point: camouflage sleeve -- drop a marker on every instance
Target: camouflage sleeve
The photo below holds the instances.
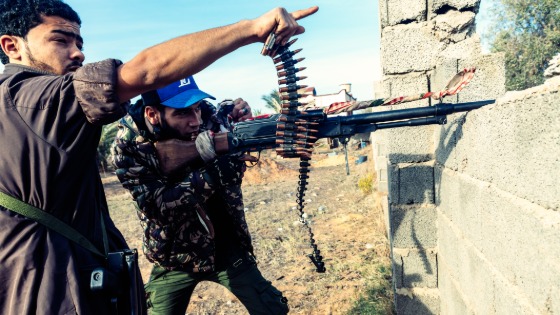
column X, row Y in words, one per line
column 137, row 168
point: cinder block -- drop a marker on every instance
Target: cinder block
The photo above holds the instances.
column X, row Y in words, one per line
column 383, row 14
column 382, row 180
column 460, row 263
column 489, row 80
column 447, row 138
column 415, row 268
column 417, row 303
column 516, row 231
column 445, row 70
column 396, row 12
column 409, row 48
column 469, row 48
column 436, row 7
column 511, row 232
column 513, row 145
column 405, row 85
column 451, row 300
column 508, row 301
column 411, row 183
column 460, row 202
column 378, row 89
column 453, row 26
column 414, row 226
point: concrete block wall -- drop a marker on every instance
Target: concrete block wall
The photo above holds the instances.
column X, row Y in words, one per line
column 425, row 43
column 473, row 207
column 498, row 203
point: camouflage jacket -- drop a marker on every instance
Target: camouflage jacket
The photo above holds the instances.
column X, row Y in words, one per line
column 178, row 233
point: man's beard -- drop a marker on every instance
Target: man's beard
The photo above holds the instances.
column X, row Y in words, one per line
column 34, row 63
column 38, row 64
column 167, row 132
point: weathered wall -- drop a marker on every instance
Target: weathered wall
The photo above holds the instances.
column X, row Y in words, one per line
column 498, row 206
column 473, row 206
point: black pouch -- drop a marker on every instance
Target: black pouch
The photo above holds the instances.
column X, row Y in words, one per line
column 117, row 281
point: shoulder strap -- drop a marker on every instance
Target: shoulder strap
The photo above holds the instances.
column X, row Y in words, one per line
column 47, row 220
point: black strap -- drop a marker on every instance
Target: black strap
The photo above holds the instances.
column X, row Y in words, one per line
column 49, row 221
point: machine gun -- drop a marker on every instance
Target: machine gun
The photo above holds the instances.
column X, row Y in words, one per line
column 267, row 132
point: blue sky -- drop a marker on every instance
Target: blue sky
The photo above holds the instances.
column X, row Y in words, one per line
column 341, row 43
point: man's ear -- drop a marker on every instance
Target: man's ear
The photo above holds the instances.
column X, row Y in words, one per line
column 152, row 114
column 11, row 47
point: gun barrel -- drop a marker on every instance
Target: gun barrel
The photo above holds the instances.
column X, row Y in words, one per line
column 437, row 110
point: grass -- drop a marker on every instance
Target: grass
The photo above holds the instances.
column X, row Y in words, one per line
column 377, row 298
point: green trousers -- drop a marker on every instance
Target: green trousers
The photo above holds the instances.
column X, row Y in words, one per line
column 169, row 292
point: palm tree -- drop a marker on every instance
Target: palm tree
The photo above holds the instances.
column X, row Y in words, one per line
column 104, row 148
column 273, row 101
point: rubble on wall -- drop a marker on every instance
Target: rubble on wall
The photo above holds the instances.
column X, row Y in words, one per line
column 553, row 67
column 454, row 26
column 437, row 7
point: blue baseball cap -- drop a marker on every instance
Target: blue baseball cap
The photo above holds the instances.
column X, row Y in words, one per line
column 179, row 94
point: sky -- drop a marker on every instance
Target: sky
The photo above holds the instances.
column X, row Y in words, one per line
column 341, row 42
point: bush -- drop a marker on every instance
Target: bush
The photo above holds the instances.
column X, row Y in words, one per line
column 366, row 184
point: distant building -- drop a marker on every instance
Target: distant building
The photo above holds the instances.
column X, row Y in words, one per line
column 321, row 101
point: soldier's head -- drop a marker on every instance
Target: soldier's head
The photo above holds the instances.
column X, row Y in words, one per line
column 43, row 34
column 174, row 111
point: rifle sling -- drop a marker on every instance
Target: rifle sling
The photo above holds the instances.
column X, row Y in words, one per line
column 50, row 221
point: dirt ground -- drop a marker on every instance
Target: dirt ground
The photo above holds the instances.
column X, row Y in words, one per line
column 347, row 224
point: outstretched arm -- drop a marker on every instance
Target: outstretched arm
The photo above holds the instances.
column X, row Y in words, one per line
column 186, row 55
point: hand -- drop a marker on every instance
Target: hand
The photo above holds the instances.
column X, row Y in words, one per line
column 282, row 23
column 241, row 110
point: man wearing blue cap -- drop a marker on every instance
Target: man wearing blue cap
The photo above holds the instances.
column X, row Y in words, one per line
column 193, row 215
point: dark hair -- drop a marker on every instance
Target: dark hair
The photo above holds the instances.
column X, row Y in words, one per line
column 17, row 17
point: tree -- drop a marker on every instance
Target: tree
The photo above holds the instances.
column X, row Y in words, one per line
column 528, row 32
column 104, row 148
column 273, row 101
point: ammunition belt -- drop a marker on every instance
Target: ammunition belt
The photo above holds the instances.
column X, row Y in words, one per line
column 294, row 136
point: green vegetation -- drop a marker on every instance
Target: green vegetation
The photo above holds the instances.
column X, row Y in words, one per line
column 366, row 183
column 528, row 32
column 377, row 298
column 273, row 101
column 104, row 148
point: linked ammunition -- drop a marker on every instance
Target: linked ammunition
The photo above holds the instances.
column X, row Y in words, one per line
column 294, row 135
column 297, row 151
column 285, row 56
column 290, row 141
column 291, row 127
column 291, row 112
column 269, row 43
column 291, row 80
column 288, row 63
column 292, row 96
column 277, row 49
column 290, row 71
column 291, row 88
column 293, row 103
